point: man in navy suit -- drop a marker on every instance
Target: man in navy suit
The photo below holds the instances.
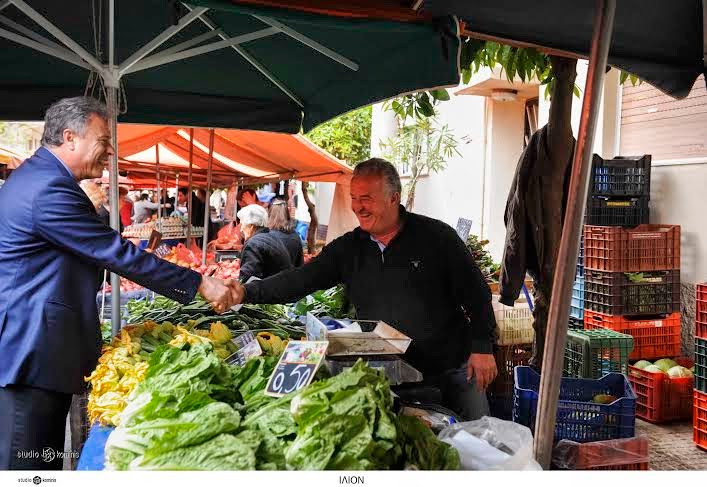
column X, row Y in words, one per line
column 52, row 244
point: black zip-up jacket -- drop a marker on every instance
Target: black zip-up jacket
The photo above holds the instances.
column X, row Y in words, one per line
column 263, row 255
column 426, row 284
column 293, row 244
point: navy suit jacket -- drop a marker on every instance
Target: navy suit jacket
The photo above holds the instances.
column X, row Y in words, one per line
column 52, row 245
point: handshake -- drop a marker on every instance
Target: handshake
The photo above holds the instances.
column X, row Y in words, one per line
column 222, row 294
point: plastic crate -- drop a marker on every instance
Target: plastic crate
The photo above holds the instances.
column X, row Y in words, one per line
column 621, row 176
column 575, row 324
column 660, row 398
column 701, row 364
column 577, row 303
column 701, row 311
column 578, row 418
column 625, row 212
column 653, row 337
column 621, row 454
column 614, row 293
column 644, row 248
column 515, row 323
column 699, row 419
column 591, row 354
column 580, row 258
column 500, row 391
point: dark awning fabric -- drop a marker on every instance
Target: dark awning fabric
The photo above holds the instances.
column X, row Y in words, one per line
column 221, row 88
column 659, row 41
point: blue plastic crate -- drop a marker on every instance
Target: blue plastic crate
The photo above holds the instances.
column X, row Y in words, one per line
column 577, row 303
column 578, row 418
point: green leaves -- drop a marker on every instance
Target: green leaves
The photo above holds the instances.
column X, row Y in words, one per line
column 347, row 137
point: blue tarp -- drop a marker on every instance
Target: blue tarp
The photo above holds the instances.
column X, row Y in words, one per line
column 92, row 454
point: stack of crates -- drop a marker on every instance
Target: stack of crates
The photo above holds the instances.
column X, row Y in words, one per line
column 699, row 415
column 515, row 347
column 632, row 285
column 619, row 194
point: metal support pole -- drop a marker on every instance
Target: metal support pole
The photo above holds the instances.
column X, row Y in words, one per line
column 189, row 194
column 113, row 194
column 207, row 204
column 159, row 188
column 569, row 244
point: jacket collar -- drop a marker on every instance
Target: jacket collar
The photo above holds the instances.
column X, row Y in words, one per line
column 47, row 155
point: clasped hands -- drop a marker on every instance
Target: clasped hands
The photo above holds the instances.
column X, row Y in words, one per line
column 221, row 294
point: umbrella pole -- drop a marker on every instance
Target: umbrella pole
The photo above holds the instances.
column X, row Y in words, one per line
column 569, row 244
column 112, row 102
column 189, row 194
column 159, row 188
column 207, row 204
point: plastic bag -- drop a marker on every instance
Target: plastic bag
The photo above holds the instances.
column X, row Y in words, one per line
column 570, row 455
column 492, row 444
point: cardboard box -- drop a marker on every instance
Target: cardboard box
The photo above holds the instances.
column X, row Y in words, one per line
column 358, row 337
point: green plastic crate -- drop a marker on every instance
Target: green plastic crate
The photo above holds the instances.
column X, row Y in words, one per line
column 591, row 354
column 701, row 364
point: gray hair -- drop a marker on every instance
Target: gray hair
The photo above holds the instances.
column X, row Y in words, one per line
column 381, row 168
column 72, row 114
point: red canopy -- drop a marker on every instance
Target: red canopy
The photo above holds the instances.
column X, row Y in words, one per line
column 246, row 156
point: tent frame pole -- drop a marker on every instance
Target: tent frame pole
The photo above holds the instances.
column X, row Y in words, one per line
column 190, row 190
column 569, row 244
column 112, row 103
column 207, row 200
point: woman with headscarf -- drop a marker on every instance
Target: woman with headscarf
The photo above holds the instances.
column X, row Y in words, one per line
column 263, row 253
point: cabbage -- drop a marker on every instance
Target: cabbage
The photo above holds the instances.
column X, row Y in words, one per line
column 653, row 369
column 665, row 364
column 642, row 364
column 679, row 371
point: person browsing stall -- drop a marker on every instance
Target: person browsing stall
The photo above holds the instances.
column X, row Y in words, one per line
column 50, row 256
column 263, row 253
column 414, row 273
column 282, row 227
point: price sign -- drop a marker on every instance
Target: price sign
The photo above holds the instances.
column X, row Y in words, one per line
column 296, row 367
column 463, row 228
column 247, row 348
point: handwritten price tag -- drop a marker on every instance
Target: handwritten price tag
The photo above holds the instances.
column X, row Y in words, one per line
column 296, row 367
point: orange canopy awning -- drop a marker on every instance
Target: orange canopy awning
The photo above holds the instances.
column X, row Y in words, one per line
column 245, row 156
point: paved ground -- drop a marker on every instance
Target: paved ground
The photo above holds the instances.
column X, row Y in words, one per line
column 671, row 446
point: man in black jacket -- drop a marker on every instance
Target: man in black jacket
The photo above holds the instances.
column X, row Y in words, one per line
column 414, row 273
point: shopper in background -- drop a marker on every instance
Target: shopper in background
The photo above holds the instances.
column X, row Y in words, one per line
column 248, row 197
column 143, row 208
column 283, row 227
column 126, row 207
column 263, row 253
column 50, row 256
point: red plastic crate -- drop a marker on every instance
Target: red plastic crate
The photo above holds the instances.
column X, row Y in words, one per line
column 644, row 248
column 653, row 338
column 699, row 419
column 620, row 454
column 701, row 312
column 659, row 398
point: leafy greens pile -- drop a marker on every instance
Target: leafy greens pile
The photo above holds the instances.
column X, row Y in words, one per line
column 194, row 412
